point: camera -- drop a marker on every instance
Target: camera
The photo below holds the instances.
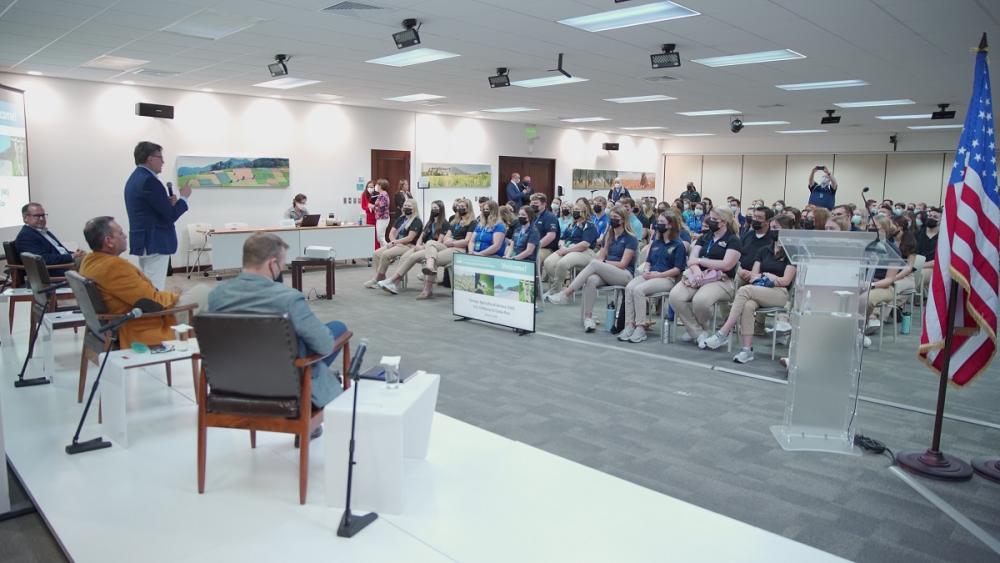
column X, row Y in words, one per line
column 736, row 125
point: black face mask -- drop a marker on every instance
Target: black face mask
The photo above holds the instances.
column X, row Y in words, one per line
column 565, row 212
column 522, row 220
column 932, row 223
column 460, row 212
column 661, row 228
column 577, row 214
column 435, row 212
column 407, row 211
column 713, row 225
column 615, row 223
column 635, row 210
column 756, row 225
column 454, row 210
column 598, row 209
column 808, row 224
column 485, row 212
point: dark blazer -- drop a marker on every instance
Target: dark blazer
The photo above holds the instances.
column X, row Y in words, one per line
column 514, row 197
column 151, row 216
column 30, row 240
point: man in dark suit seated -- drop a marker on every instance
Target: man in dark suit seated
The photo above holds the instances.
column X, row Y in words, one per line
column 255, row 291
column 36, row 238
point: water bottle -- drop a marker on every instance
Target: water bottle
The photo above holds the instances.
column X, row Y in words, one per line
column 906, row 322
column 361, row 219
column 609, row 319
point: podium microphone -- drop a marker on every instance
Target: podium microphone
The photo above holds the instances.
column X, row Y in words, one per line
column 349, row 523
column 117, row 323
column 170, row 189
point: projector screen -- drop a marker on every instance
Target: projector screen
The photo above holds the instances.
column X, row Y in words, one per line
column 13, row 157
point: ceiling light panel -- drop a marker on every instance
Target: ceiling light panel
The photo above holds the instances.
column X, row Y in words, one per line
column 640, row 99
column 413, row 57
column 328, row 97
column 110, row 62
column 800, row 131
column 414, row 98
column 922, row 127
column 913, row 116
column 585, row 119
column 209, row 24
column 510, row 110
column 646, row 128
column 554, row 80
column 752, row 123
column 286, row 83
column 750, row 58
column 693, row 134
column 710, row 112
column 628, row 17
column 822, row 85
column 874, row 103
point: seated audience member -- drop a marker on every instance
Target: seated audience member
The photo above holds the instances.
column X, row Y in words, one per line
column 734, row 206
column 298, row 209
column 778, row 206
column 565, row 217
column 927, row 239
column 614, row 265
column 771, row 276
column 525, row 239
column 795, row 215
column 457, row 239
column 36, row 238
column 815, row 219
column 434, row 231
column 402, row 237
column 509, row 219
column 883, row 278
column 847, row 213
column 600, row 217
column 255, row 291
column 838, row 224
column 709, row 206
column 757, row 237
column 123, row 285
column 634, row 212
column 579, row 240
column 665, row 260
column 709, row 278
column 647, row 216
column 555, row 205
column 490, row 238
column 696, row 218
column 547, row 226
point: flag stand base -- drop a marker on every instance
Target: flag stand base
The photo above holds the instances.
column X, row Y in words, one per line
column 936, row 465
column 986, row 467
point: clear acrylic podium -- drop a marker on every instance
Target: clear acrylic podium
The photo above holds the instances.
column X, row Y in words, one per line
column 829, row 314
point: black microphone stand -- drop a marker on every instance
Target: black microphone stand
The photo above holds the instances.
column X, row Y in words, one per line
column 97, row 443
column 351, row 524
column 32, row 381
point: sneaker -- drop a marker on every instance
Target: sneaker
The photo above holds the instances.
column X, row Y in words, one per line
column 867, row 342
column 589, row 325
column 874, row 323
column 686, row 337
column 388, row 286
column 627, row 333
column 716, row 340
column 420, row 276
column 638, row 335
column 744, row 355
column 702, row 338
column 371, row 284
column 558, row 298
column 427, row 271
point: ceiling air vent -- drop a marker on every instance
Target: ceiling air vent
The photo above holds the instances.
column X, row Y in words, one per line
column 348, row 6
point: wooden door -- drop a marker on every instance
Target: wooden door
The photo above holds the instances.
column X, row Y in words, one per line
column 541, row 170
column 393, row 166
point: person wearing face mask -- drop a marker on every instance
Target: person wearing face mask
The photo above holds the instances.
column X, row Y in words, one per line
column 770, row 277
column 298, row 209
column 576, row 248
column 614, row 265
column 617, row 191
column 696, row 218
column 778, row 206
column 513, row 191
column 555, row 206
column 846, row 212
column 815, row 219
column 381, row 210
column 897, row 210
column 822, row 188
column 490, row 237
column 757, row 237
column 434, row 232
column 402, row 236
column 254, row 291
column 927, row 242
column 565, row 217
column 708, row 280
column 734, row 206
column 647, row 216
column 457, row 239
column 367, row 201
column 883, row 278
column 632, row 212
column 661, row 269
column 547, row 226
column 600, row 217
column 525, row 242
column 690, row 193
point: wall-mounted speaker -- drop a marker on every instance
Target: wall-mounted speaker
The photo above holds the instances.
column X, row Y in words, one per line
column 154, row 110
column 610, row 146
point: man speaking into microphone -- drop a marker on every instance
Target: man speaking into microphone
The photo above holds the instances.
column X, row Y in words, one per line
column 152, row 211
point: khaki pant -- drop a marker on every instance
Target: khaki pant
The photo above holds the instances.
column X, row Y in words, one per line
column 543, row 253
column 440, row 255
column 594, row 275
column 751, row 297
column 878, row 296
column 558, row 267
column 385, row 255
column 635, row 297
column 694, row 305
column 409, row 260
column 905, row 284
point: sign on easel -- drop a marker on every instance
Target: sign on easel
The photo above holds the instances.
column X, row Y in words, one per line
column 495, row 291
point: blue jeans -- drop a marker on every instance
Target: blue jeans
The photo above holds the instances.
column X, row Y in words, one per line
column 325, row 387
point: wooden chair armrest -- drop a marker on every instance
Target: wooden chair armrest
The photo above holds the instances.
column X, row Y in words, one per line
column 343, row 340
column 309, row 360
column 172, row 311
column 70, row 266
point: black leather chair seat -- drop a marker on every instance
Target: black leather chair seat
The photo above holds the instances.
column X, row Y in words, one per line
column 231, row 403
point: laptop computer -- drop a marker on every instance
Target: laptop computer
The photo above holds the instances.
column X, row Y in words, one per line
column 310, row 220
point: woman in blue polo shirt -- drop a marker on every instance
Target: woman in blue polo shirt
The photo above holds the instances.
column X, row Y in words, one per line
column 613, row 266
column 664, row 264
column 576, row 249
column 490, row 238
column 526, row 236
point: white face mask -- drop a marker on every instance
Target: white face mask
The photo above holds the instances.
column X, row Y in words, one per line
column 735, row 210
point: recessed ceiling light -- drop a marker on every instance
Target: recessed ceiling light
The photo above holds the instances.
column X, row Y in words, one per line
column 693, row 134
column 276, row 96
column 918, row 127
column 413, row 57
column 286, row 83
column 109, row 62
column 822, row 85
column 875, row 103
column 414, row 98
column 750, row 58
column 800, row 131
column 510, row 110
column 327, row 97
column 639, row 99
column 34, row 73
column 547, row 81
column 627, row 17
column 584, row 119
column 210, row 24
column 746, row 123
column 649, row 128
column 913, row 116
column 128, row 82
column 207, row 90
column 709, row 112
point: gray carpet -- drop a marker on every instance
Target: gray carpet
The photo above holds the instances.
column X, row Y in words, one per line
column 691, row 432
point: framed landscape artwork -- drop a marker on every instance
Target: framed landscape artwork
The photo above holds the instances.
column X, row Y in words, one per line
column 232, row 172
column 585, row 179
column 443, row 175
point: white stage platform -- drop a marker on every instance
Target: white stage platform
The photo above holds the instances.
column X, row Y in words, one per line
column 478, row 497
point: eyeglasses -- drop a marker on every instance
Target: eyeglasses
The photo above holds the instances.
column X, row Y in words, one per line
column 38, row 215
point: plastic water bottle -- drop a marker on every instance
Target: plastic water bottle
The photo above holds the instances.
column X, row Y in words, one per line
column 609, row 319
column 361, row 219
column 906, row 322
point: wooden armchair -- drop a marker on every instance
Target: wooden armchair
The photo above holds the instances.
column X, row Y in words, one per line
column 17, row 276
column 43, row 294
column 253, row 378
column 95, row 313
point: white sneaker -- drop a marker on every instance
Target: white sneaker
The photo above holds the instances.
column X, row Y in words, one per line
column 867, row 342
column 702, row 338
column 638, row 335
column 626, row 334
column 716, row 340
column 686, row 337
column 589, row 325
column 744, row 355
column 558, row 298
column 874, row 323
column 388, row 286
column 371, row 284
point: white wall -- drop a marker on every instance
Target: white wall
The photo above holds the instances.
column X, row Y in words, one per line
column 81, row 135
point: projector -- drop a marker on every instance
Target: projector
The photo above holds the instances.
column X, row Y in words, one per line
column 323, row 252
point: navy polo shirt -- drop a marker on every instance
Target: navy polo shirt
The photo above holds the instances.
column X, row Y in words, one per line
column 575, row 233
column 523, row 236
column 548, row 223
column 822, row 196
column 618, row 246
column 666, row 255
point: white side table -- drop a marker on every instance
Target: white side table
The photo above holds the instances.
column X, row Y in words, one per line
column 42, row 363
column 7, row 301
column 392, row 424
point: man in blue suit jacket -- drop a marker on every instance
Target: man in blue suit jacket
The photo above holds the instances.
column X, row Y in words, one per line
column 36, row 238
column 152, row 213
column 515, row 192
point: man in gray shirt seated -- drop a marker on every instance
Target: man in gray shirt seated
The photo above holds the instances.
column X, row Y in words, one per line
column 255, row 291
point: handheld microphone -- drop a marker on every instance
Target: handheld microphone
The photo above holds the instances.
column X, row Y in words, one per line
column 117, row 323
column 359, row 356
column 170, row 189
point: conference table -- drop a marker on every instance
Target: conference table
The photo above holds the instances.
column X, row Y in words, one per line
column 349, row 242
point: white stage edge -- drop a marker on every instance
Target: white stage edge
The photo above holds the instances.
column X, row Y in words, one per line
column 476, row 497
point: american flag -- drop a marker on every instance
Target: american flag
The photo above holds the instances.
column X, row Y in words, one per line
column 967, row 248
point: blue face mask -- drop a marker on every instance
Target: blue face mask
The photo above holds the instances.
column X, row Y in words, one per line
column 856, row 219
